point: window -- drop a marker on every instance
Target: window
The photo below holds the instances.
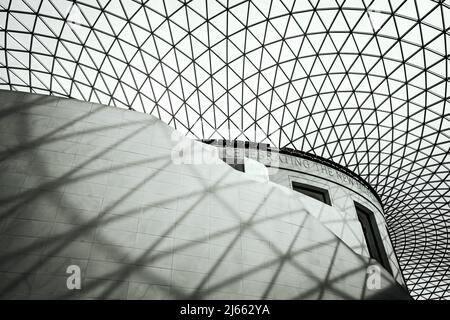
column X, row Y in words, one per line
column 372, row 236
column 238, row 166
column 313, row 192
column 232, row 153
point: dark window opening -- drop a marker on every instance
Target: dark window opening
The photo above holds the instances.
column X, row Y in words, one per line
column 372, row 236
column 238, row 166
column 235, row 162
column 232, row 153
column 313, row 192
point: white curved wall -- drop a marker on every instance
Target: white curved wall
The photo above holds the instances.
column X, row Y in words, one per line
column 93, row 186
column 342, row 218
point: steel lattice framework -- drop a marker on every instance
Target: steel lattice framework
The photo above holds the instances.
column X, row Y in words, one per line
column 362, row 83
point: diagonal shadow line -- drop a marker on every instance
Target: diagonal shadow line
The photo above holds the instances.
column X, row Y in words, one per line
column 226, row 231
column 66, row 235
column 267, row 264
column 219, row 233
column 31, row 194
column 363, row 294
column 263, row 237
column 19, row 104
column 187, row 212
column 260, row 236
column 366, row 288
column 51, row 185
column 307, row 271
column 242, row 229
column 196, row 293
column 44, row 139
column 231, row 210
column 212, row 235
column 283, row 259
column 124, row 272
column 362, row 259
column 345, row 223
column 331, row 282
column 93, row 221
column 67, row 238
column 108, row 220
column 203, row 239
column 276, row 261
column 143, row 256
column 198, row 201
column 261, row 266
column 365, row 263
column 277, row 251
column 330, row 267
column 364, row 266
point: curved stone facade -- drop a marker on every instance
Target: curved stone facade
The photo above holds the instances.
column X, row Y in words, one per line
column 101, row 190
column 287, row 167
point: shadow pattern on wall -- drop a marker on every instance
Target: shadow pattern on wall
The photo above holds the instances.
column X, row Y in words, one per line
column 87, row 185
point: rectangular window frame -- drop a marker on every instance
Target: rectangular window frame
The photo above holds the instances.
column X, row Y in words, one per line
column 376, row 248
column 313, row 189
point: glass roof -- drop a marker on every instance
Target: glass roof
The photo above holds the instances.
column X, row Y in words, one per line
column 362, row 83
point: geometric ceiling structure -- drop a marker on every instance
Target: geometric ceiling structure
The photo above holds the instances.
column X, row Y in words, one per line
column 362, row 83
